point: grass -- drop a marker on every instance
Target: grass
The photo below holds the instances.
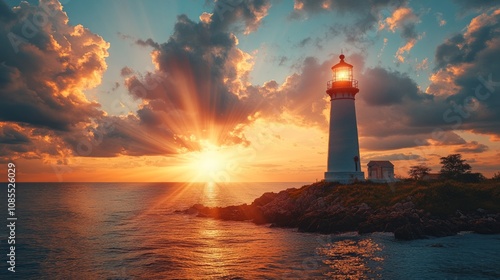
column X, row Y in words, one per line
column 441, row 198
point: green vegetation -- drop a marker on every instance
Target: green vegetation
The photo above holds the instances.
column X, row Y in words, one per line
column 454, row 167
column 417, row 172
column 440, row 198
column 459, row 189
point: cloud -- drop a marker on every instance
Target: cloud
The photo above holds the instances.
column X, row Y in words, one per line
column 395, row 157
column 472, row 147
column 126, row 71
column 391, row 142
column 47, row 64
column 199, row 88
column 21, row 141
column 393, row 113
column 365, row 14
column 230, row 15
column 400, row 53
column 441, row 21
column 147, row 43
column 209, row 93
column 392, row 110
column 116, row 136
column 388, row 88
column 304, row 42
column 10, row 135
column 467, row 64
column 468, row 6
column 423, row 65
column 404, row 19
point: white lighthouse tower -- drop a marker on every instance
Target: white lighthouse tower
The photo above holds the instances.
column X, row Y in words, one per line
column 343, row 147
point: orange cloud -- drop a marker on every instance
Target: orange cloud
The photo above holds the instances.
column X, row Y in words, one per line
column 398, row 19
column 49, row 64
column 405, row 49
column 405, row 20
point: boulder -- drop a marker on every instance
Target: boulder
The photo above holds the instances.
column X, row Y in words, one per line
column 409, row 232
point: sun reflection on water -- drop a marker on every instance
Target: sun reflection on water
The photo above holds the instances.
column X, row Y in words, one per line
column 353, row 259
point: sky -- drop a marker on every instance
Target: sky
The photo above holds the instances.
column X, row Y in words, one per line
column 234, row 90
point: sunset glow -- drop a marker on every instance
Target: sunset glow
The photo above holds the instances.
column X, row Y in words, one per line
column 188, row 94
column 207, row 165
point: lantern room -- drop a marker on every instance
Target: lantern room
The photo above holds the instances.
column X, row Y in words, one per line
column 342, row 79
column 342, row 71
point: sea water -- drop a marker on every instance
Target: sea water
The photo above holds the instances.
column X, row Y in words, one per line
column 131, row 231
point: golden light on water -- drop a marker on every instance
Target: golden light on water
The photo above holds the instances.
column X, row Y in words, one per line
column 353, row 259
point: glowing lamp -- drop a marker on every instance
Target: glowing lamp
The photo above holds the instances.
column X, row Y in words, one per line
column 342, row 71
column 342, row 74
column 342, row 79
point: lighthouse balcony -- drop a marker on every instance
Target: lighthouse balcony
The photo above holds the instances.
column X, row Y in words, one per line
column 335, row 84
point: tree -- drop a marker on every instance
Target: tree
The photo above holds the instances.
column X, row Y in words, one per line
column 417, row 172
column 496, row 176
column 454, row 167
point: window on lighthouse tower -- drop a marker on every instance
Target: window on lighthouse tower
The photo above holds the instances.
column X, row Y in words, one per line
column 342, row 74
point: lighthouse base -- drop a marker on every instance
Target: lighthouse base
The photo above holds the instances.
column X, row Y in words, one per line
column 344, row 177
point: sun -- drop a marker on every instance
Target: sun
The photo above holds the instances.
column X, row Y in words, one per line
column 208, row 162
column 208, row 165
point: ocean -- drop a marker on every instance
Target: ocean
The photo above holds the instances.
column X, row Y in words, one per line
column 130, row 231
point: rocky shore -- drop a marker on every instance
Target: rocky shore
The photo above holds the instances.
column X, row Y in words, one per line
column 409, row 210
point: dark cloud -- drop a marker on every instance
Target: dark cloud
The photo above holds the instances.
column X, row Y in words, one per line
column 367, row 9
column 388, row 88
column 472, row 147
column 10, row 135
column 43, row 74
column 201, row 90
column 304, row 42
column 448, row 138
column 392, row 141
column 147, row 43
column 201, row 78
column 467, row 66
column 366, row 14
column 116, row 136
column 449, row 52
column 6, row 14
column 395, row 157
column 126, row 71
column 229, row 15
column 21, row 141
column 281, row 60
column 462, row 95
column 409, row 31
column 205, row 67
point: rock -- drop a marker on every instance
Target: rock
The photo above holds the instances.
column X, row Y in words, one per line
column 486, row 226
column 481, row 210
column 409, row 232
column 438, row 228
column 264, row 199
column 408, row 205
column 319, row 208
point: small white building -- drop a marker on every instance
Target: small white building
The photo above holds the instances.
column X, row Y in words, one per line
column 381, row 171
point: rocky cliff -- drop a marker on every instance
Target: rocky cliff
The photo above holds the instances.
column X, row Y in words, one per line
column 410, row 210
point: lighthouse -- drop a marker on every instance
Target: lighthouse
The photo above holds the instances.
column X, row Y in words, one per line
column 343, row 147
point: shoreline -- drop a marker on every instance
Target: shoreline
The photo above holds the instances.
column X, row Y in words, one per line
column 410, row 210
